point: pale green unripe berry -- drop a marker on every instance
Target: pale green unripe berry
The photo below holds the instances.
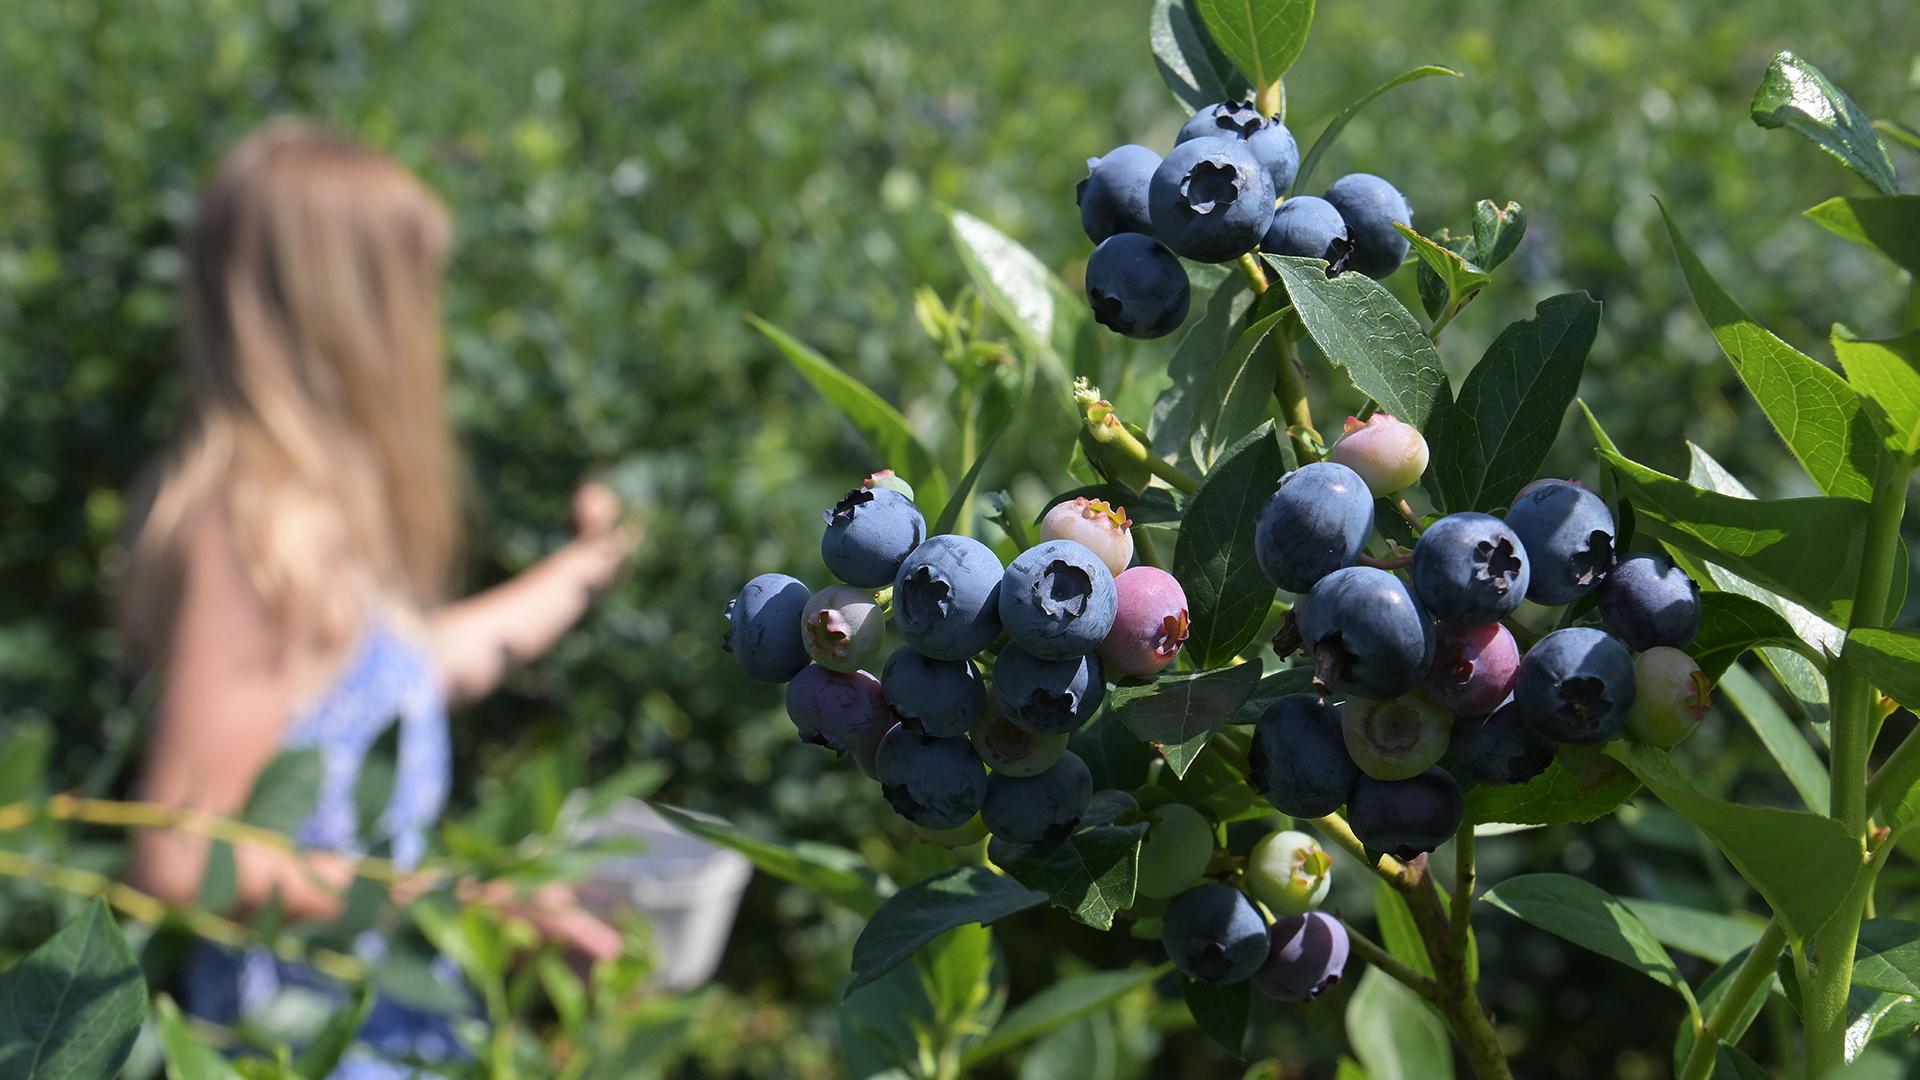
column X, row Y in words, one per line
column 1289, row 872
column 1670, row 697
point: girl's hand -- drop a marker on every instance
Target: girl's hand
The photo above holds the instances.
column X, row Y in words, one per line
column 602, row 541
column 555, row 914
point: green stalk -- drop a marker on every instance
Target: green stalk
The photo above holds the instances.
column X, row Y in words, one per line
column 1289, row 383
column 1749, row 979
column 1831, row 965
column 1463, row 885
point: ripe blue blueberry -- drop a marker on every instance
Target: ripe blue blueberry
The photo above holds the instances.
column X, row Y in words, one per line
column 1057, row 600
column 1137, row 287
column 1317, row 521
column 946, row 597
column 1113, row 197
column 945, row 697
column 1311, row 228
column 1214, row 934
column 1567, row 534
column 1405, row 818
column 1308, row 954
column 1648, row 601
column 1499, row 748
column 1276, row 149
column 1299, row 759
column 1370, row 206
column 1470, row 569
column 843, row 711
column 1047, row 697
column 933, row 782
column 1272, row 144
column 869, row 532
column 1211, row 200
column 1576, row 686
column 1367, row 633
column 1041, row 809
column 763, row 628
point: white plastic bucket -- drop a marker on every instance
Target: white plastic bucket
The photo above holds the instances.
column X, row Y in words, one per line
column 684, row 887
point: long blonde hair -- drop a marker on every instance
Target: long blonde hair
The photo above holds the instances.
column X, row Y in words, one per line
column 315, row 421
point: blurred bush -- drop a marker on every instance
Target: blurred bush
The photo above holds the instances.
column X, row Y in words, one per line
column 630, row 179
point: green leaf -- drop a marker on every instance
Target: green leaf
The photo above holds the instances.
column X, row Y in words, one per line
column 1394, row 1034
column 1023, row 292
column 1593, row 919
column 1191, row 65
column 1261, row 37
column 1711, row 992
column 72, row 1006
column 1496, row 231
column 1891, row 661
column 1889, row 224
column 1777, row 732
column 1179, row 713
column 1494, row 439
column 1093, row 873
column 1731, row 624
column 1236, row 397
column 1228, row 596
column 1228, row 310
column 883, row 427
column 1887, row 374
column 1808, row 403
column 374, row 788
column 1888, row 956
column 23, row 760
column 928, row 908
column 1217, row 784
column 950, row 514
column 1113, row 755
column 1556, row 797
column 1787, row 545
column 1339, row 123
column 1461, row 277
column 1802, row 864
column 1220, row 1011
column 1060, row 1003
column 838, row 874
column 1360, row 326
column 317, row 1061
column 1708, row 935
column 187, row 1057
column 1270, row 689
column 286, row 793
column 1795, row 94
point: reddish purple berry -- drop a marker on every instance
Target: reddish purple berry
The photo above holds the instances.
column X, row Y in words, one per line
column 1149, row 625
column 1389, row 454
column 845, row 712
column 1473, row 668
column 1307, row 954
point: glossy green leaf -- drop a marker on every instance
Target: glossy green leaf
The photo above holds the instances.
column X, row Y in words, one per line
column 187, row 1057
column 1899, row 133
column 883, row 427
column 1591, row 918
column 1888, row 956
column 1731, row 624
column 1493, row 441
column 957, row 501
column 1238, row 395
column 1787, row 545
column 1228, row 310
column 1556, row 797
column 1115, row 757
column 1311, row 160
column 1022, row 291
column 1497, row 231
column 1889, row 224
column 1261, row 37
column 1220, row 1011
column 928, row 908
column 1891, row 661
column 286, row 793
column 1093, row 873
column 1191, row 65
column 1396, row 1035
column 840, row 875
column 1708, row 935
column 1802, row 864
column 72, row 1007
column 1778, row 734
column 1060, row 1003
column 1461, row 277
column 1178, row 713
column 1808, row 403
column 1887, row 374
column 1228, row 596
column 1217, row 784
column 1270, row 689
column 1360, row 326
column 1795, row 94
column 318, row 1059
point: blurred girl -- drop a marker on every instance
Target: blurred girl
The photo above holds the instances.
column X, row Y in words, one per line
column 291, row 564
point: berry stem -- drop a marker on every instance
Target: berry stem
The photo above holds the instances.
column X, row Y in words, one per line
column 1748, row 980
column 1335, row 828
column 1413, row 519
column 1463, row 885
column 1370, row 951
column 1149, row 552
column 1272, row 100
column 1289, row 382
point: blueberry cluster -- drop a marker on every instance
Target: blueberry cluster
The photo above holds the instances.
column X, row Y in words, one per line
column 1420, row 681
column 946, row 741
column 1221, row 193
column 1216, row 933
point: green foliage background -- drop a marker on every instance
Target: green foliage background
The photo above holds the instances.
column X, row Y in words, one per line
column 630, row 179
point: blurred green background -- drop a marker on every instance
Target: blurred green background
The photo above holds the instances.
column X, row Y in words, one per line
column 630, row 179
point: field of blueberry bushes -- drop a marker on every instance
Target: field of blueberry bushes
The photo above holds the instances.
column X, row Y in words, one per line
column 1486, row 660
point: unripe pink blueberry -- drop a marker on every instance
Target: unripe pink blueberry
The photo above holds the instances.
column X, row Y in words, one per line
column 842, row 628
column 1473, row 668
column 1669, row 699
column 1150, row 624
column 1389, row 454
column 1098, row 525
column 885, row 478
